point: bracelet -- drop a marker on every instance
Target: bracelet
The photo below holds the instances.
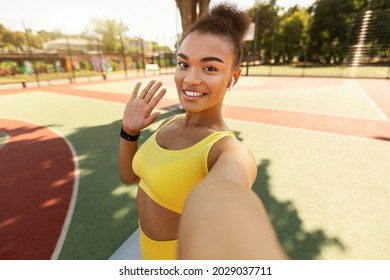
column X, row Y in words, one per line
column 129, row 137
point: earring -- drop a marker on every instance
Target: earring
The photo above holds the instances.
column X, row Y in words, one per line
column 231, row 84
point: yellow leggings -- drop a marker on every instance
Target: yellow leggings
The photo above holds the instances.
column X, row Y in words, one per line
column 157, row 250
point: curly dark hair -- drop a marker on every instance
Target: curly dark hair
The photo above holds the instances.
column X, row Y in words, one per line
column 227, row 21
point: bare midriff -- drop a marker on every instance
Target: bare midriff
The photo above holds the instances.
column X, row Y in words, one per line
column 157, row 222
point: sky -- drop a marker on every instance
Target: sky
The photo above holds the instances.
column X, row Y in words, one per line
column 156, row 20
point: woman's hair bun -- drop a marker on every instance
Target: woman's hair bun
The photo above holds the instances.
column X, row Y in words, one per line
column 227, row 21
column 231, row 17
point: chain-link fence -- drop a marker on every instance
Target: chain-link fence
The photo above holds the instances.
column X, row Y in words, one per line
column 49, row 66
column 365, row 53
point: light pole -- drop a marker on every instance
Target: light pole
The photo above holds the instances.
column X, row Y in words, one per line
column 31, row 54
column 142, row 55
column 71, row 59
column 256, row 28
column 123, row 53
column 100, row 57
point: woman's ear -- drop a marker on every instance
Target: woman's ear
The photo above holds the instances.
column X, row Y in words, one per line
column 231, row 83
column 235, row 75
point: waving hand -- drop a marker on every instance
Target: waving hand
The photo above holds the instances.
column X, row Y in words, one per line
column 138, row 112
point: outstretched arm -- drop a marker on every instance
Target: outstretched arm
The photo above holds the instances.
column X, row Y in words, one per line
column 137, row 116
column 223, row 218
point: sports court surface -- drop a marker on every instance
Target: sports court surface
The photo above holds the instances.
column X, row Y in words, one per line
column 322, row 147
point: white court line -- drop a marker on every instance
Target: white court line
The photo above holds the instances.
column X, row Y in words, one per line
column 6, row 139
column 370, row 101
column 75, row 189
column 305, row 130
column 72, row 203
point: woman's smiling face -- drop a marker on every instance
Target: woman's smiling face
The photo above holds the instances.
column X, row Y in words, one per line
column 204, row 71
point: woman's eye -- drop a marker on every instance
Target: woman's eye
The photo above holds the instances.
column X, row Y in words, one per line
column 182, row 65
column 209, row 69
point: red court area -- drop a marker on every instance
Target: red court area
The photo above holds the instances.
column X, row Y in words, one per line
column 37, row 174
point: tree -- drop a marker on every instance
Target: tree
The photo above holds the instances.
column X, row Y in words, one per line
column 267, row 28
column 329, row 29
column 292, row 37
column 378, row 35
column 50, row 35
column 107, row 32
column 190, row 11
column 3, row 30
column 362, row 5
column 15, row 40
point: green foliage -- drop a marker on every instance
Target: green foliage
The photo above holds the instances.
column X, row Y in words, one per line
column 322, row 33
column 266, row 16
column 330, row 28
column 8, row 68
column 50, row 35
column 114, row 65
column 19, row 41
column 109, row 33
column 85, row 65
column 292, row 35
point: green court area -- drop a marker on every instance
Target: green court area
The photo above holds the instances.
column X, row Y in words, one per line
column 346, row 99
column 327, row 194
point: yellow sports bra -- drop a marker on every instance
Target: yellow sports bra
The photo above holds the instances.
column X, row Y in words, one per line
column 168, row 176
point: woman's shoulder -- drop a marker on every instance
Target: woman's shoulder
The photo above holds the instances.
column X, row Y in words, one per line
column 233, row 148
column 232, row 159
column 232, row 145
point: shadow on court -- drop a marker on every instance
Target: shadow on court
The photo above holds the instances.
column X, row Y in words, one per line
column 106, row 212
column 298, row 243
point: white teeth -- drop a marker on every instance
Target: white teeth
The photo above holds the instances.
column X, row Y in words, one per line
column 193, row 93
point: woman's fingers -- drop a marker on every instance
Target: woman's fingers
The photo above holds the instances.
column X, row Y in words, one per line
column 151, row 118
column 153, row 103
column 141, row 104
column 145, row 91
column 152, row 92
column 135, row 91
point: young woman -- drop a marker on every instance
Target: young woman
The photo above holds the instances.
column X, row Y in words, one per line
column 194, row 176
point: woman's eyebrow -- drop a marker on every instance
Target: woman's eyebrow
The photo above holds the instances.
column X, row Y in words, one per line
column 211, row 58
column 182, row 55
column 204, row 59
